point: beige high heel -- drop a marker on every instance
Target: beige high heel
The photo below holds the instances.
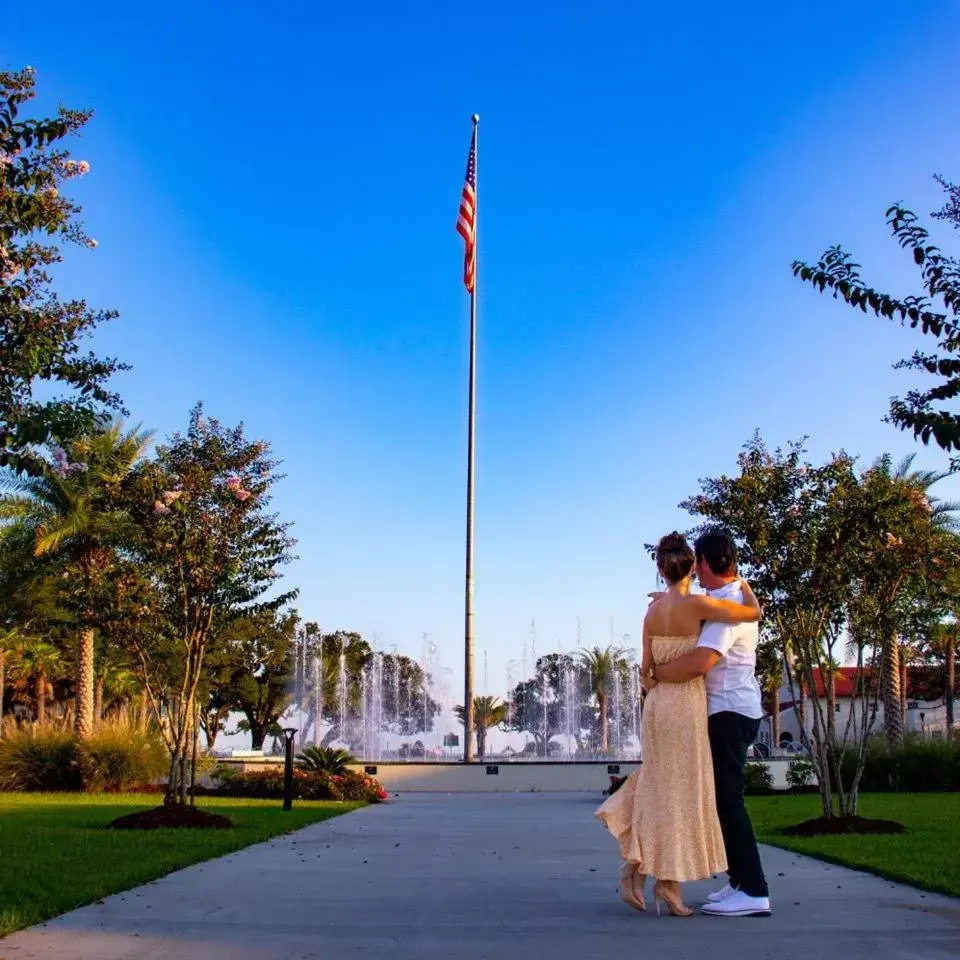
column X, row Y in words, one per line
column 627, row 886
column 676, row 907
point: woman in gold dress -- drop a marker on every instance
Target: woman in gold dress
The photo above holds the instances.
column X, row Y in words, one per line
column 665, row 815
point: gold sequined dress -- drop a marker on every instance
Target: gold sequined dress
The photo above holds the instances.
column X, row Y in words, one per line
column 665, row 815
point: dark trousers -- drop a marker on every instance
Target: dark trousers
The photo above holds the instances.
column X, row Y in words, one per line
column 730, row 736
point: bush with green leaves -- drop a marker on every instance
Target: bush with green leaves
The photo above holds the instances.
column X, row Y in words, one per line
column 307, row 785
column 42, row 759
column 800, row 773
column 919, row 765
column 332, row 760
column 122, row 756
column 757, row 778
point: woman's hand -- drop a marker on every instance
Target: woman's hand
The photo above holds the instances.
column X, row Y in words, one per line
column 749, row 597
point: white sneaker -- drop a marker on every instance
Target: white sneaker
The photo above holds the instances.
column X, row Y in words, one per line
column 738, row 904
column 722, row 894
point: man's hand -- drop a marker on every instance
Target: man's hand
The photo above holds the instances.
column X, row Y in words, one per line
column 697, row 663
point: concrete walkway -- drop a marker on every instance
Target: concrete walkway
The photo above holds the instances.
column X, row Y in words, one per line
column 492, row 876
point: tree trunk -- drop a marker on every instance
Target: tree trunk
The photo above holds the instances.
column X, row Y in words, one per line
column 773, row 706
column 84, row 717
column 211, row 728
column 98, row 702
column 481, row 732
column 890, row 692
column 258, row 733
column 604, row 727
column 3, row 684
column 830, row 687
column 904, row 688
column 40, row 696
column 949, row 661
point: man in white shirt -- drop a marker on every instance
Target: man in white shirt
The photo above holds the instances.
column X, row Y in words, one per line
column 727, row 657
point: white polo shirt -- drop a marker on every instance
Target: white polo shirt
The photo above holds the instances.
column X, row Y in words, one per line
column 732, row 683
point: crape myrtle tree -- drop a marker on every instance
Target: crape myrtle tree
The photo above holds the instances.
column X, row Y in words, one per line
column 933, row 311
column 213, row 552
column 41, row 335
column 838, row 558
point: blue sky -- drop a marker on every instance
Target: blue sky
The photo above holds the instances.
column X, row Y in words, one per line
column 274, row 192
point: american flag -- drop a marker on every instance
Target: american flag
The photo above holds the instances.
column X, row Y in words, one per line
column 467, row 220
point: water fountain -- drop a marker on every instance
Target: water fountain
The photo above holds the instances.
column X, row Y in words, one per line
column 570, row 698
column 383, row 710
column 342, row 690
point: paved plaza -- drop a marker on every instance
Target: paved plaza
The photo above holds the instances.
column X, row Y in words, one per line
column 478, row 876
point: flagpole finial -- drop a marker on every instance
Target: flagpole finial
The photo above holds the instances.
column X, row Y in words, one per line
column 476, row 118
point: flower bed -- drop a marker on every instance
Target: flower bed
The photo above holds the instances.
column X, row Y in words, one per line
column 307, row 785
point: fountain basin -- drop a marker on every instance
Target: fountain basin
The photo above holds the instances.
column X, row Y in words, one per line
column 495, row 776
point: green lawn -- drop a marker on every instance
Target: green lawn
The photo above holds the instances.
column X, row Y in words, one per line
column 927, row 855
column 56, row 853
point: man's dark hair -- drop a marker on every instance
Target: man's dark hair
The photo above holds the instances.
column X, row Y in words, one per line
column 716, row 546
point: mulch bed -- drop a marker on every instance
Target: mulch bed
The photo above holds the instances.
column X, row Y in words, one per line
column 840, row 826
column 172, row 816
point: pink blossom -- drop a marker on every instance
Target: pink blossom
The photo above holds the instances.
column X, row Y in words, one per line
column 83, row 167
column 233, row 483
column 92, row 244
column 160, row 508
column 169, row 496
column 242, row 495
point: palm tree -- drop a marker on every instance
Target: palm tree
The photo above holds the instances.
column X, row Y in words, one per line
column 332, row 760
column 915, row 484
column 8, row 639
column 36, row 663
column 487, row 712
column 602, row 665
column 944, row 644
column 72, row 516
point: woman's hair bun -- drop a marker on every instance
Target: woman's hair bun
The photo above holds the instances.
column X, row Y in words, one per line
column 673, row 542
column 674, row 557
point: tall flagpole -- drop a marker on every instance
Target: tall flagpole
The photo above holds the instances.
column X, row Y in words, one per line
column 468, row 719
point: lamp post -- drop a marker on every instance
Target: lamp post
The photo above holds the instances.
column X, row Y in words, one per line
column 288, row 734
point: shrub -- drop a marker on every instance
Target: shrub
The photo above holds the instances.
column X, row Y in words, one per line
column 360, row 786
column 40, row 759
column 920, row 765
column 120, row 756
column 800, row 773
column 123, row 756
column 268, row 785
column 325, row 760
column 757, row 778
column 256, row 784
